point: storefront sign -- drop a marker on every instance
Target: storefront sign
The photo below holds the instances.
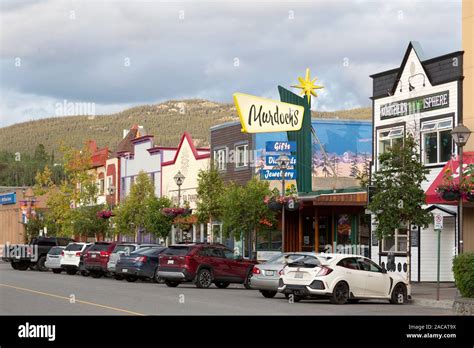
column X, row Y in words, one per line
column 275, row 174
column 415, row 105
column 280, row 146
column 271, row 160
column 8, row 198
column 261, row 115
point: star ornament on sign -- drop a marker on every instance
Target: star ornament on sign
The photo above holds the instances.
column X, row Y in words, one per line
column 307, row 85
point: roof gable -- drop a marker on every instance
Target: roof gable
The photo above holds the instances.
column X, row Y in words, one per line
column 186, row 137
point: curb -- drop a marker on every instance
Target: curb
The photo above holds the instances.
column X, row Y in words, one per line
column 444, row 304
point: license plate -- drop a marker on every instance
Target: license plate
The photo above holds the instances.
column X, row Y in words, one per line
column 124, row 270
column 93, row 255
column 269, row 273
column 299, row 275
column 170, row 262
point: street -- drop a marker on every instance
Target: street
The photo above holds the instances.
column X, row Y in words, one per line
column 45, row 293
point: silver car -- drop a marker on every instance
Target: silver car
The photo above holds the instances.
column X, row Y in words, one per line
column 124, row 249
column 53, row 259
column 266, row 275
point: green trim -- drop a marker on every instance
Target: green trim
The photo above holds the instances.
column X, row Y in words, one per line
column 326, row 192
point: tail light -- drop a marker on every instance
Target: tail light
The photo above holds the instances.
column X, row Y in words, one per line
column 78, row 253
column 140, row 259
column 62, row 253
column 324, row 271
column 104, row 253
column 256, row 270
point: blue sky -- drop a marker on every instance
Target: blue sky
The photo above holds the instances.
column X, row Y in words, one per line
column 118, row 53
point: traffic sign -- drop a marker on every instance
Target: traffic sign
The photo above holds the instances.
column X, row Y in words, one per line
column 438, row 221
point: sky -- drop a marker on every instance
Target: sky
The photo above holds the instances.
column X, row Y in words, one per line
column 115, row 54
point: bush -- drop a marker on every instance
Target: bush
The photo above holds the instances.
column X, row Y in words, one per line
column 463, row 268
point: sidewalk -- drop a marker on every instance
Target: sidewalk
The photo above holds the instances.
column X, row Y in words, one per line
column 424, row 294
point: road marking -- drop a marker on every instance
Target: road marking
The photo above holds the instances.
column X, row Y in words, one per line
column 67, row 298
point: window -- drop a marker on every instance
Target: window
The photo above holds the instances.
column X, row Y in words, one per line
column 241, row 155
column 389, row 139
column 220, row 156
column 397, row 242
column 349, row 262
column 368, row 265
column 229, row 254
column 437, row 141
column 216, row 253
column 101, row 186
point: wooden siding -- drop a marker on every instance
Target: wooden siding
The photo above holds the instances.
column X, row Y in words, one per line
column 468, row 231
column 359, row 199
column 229, row 137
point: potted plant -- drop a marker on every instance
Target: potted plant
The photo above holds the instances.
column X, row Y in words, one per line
column 449, row 190
column 468, row 183
column 105, row 214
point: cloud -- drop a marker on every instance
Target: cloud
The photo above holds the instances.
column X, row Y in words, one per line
column 116, row 54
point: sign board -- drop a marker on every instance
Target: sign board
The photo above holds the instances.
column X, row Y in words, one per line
column 280, row 146
column 271, row 160
column 262, row 115
column 8, row 198
column 438, row 221
column 415, row 105
column 275, row 174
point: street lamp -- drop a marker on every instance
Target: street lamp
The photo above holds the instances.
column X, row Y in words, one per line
column 179, row 179
column 111, row 192
column 283, row 161
column 460, row 135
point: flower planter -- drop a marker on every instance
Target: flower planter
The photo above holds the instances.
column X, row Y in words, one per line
column 273, row 205
column 451, row 195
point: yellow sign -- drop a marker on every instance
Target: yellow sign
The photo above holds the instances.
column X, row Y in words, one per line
column 307, row 85
column 261, row 115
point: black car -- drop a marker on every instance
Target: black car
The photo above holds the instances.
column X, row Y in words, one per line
column 82, row 268
column 142, row 264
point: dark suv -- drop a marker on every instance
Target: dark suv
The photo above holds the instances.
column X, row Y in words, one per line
column 204, row 264
column 97, row 257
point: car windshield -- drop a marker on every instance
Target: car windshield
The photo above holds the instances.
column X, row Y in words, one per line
column 177, row 250
column 55, row 251
column 149, row 251
column 124, row 248
column 99, row 247
column 74, row 247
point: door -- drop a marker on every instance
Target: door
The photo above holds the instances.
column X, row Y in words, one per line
column 378, row 283
column 351, row 272
column 235, row 267
column 218, row 264
column 325, row 233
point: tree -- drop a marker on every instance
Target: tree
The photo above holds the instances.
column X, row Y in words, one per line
column 243, row 209
column 210, row 190
column 156, row 222
column 131, row 215
column 86, row 222
column 399, row 196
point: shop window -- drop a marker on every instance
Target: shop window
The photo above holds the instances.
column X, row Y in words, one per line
column 437, row 141
column 344, row 229
column 396, row 243
column 269, row 240
column 241, row 156
column 220, row 157
column 389, row 139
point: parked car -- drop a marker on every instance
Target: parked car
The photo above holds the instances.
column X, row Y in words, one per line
column 53, row 259
column 82, row 268
column 142, row 263
column 204, row 264
column 266, row 275
column 341, row 278
column 33, row 255
column 97, row 257
column 71, row 257
column 127, row 249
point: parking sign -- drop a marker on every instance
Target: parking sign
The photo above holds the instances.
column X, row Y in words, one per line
column 438, row 222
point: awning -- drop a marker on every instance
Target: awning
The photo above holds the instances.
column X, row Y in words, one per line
column 432, row 197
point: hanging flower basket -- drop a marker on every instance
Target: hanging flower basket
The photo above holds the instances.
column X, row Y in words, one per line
column 275, row 205
column 104, row 214
column 174, row 212
column 451, row 195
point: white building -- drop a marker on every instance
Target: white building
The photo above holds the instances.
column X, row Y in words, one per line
column 424, row 97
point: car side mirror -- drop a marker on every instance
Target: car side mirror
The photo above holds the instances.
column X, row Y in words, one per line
column 384, row 271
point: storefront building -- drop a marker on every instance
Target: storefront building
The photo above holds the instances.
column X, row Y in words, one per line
column 422, row 97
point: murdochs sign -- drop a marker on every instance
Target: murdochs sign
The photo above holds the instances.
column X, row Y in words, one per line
column 261, row 115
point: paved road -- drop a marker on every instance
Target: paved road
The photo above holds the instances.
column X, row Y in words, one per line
column 45, row 293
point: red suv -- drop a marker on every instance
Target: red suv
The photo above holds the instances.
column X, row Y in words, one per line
column 97, row 257
column 204, row 264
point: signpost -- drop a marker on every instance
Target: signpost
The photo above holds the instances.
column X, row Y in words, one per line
column 438, row 226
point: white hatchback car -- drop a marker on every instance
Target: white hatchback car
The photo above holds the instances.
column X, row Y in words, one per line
column 341, row 278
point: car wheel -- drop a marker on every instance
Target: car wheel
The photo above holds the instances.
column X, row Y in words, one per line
column 57, row 270
column 399, row 294
column 340, row 294
column 204, row 278
column 96, row 274
column 287, row 296
column 85, row 273
column 156, row 277
column 131, row 279
column 268, row 293
column 71, row 271
column 14, row 265
column 222, row 285
column 118, row 276
column 248, row 279
column 32, row 266
column 40, row 265
column 171, row 284
column 22, row 266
